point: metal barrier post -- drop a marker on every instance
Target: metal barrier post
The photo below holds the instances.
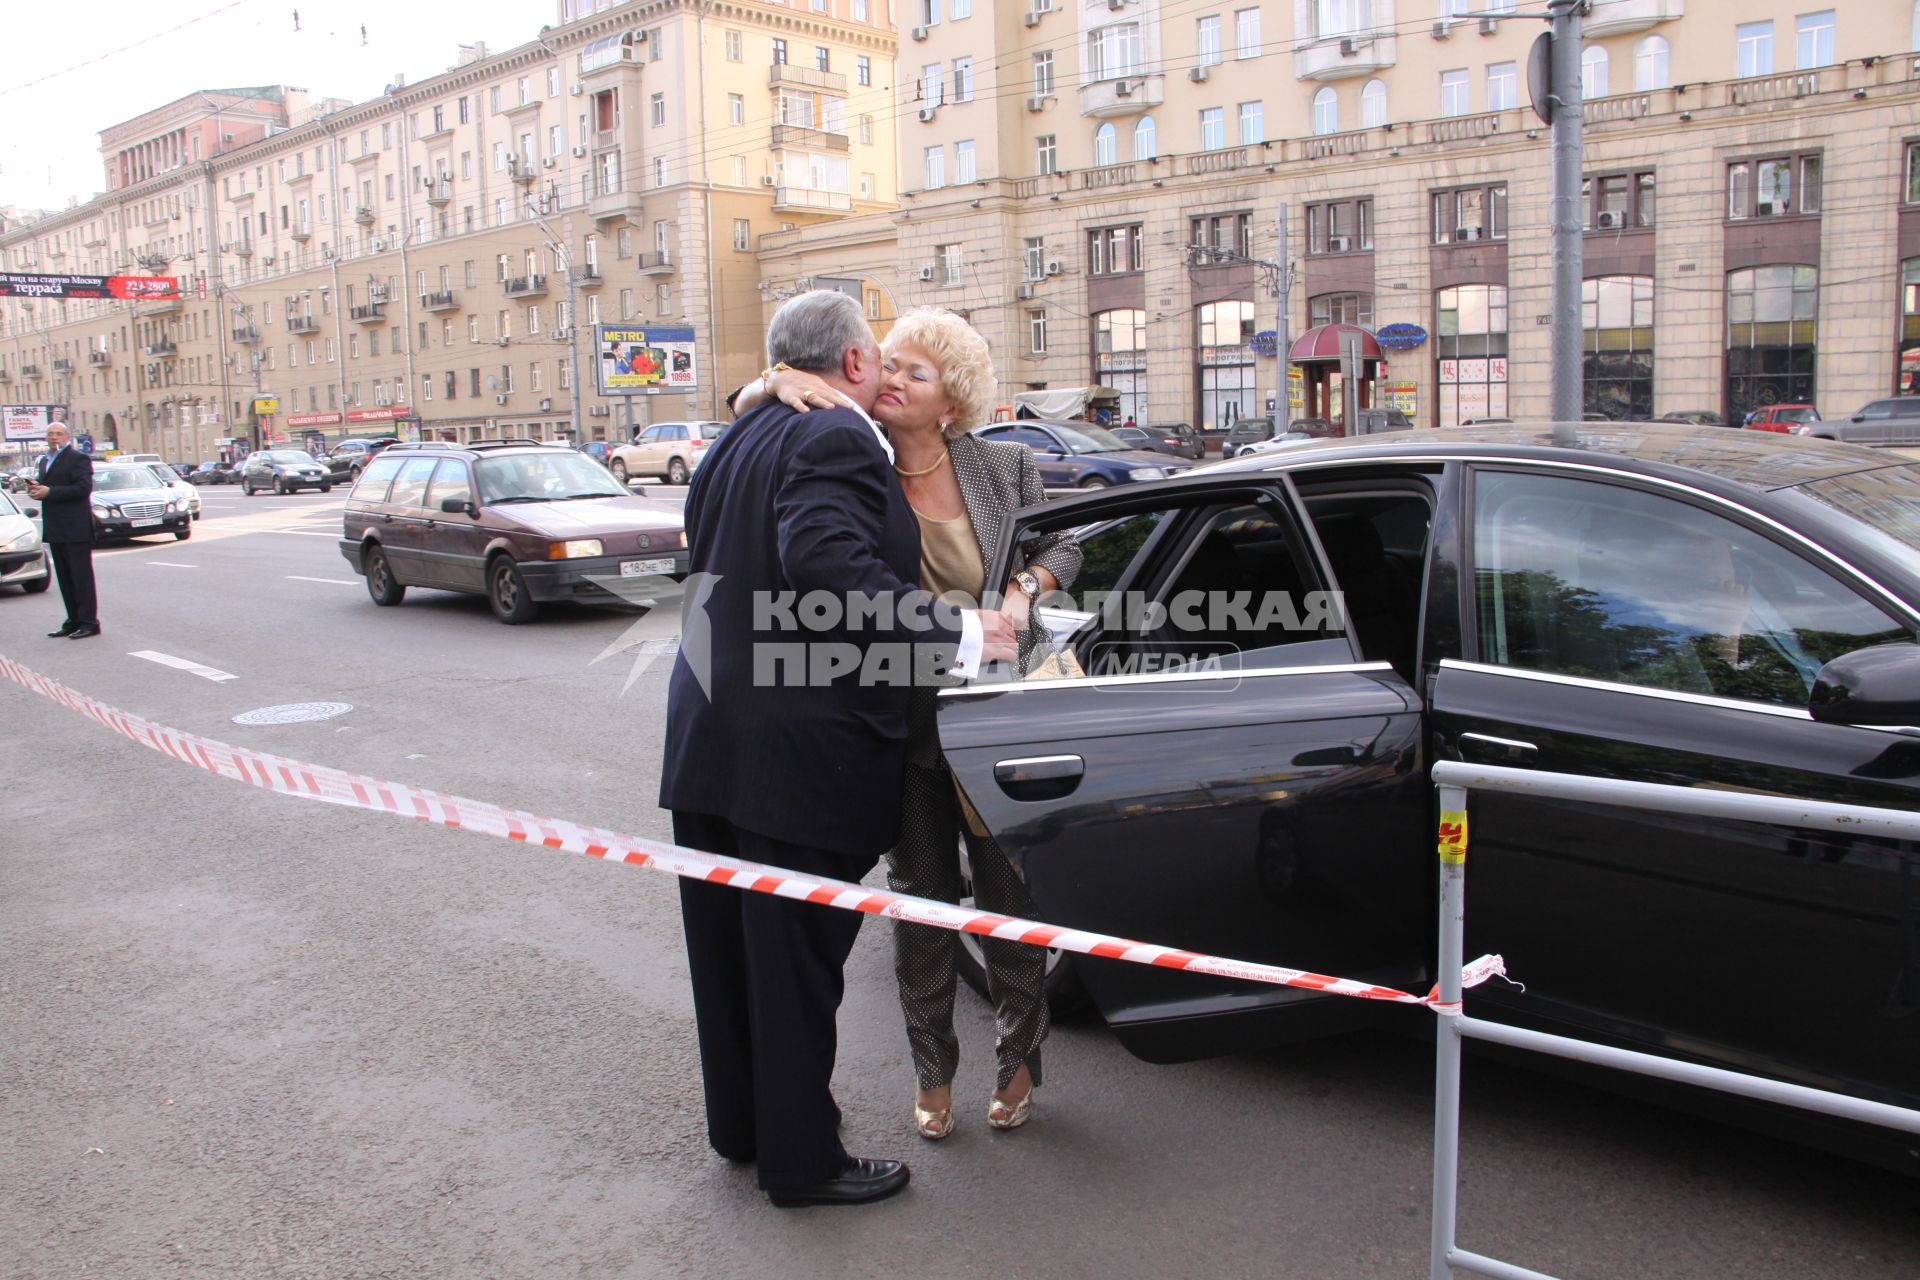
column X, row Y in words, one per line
column 1452, row 845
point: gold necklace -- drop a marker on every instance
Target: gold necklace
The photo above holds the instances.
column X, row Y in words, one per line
column 925, row 471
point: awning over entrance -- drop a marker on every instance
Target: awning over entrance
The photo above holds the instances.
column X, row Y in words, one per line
column 1323, row 342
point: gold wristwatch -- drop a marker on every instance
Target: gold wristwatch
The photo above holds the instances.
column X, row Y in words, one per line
column 1028, row 584
column 766, row 374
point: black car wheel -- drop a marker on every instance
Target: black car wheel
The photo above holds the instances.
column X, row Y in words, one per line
column 246, row 488
column 677, row 472
column 280, row 487
column 181, row 535
column 1095, row 482
column 1065, row 993
column 619, row 470
column 326, row 488
column 507, row 593
column 380, row 583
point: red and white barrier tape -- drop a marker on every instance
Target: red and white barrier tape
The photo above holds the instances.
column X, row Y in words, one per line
column 354, row 791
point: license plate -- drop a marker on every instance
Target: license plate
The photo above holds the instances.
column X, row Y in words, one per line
column 146, row 524
column 640, row 568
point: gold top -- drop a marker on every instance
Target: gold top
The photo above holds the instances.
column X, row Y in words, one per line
column 950, row 558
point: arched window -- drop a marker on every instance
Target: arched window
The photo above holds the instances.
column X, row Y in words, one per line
column 1144, row 146
column 1326, row 110
column 1593, row 73
column 1650, row 64
column 1120, row 358
column 1617, row 341
column 1373, row 104
column 1226, row 364
column 1771, row 340
column 1106, row 145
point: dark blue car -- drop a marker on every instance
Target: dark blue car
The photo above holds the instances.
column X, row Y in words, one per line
column 1079, row 455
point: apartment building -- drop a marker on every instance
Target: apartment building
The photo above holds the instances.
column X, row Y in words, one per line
column 429, row 261
column 1752, row 207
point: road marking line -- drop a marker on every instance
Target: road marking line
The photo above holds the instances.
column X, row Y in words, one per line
column 304, row 533
column 170, row 564
column 344, row 582
column 168, row 660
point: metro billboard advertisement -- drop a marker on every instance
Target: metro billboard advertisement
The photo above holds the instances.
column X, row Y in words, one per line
column 133, row 288
column 644, row 360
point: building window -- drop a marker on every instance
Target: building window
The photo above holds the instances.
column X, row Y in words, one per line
column 1106, row 145
column 1617, row 320
column 963, row 161
column 932, row 84
column 1771, row 339
column 1253, row 128
column 822, row 59
column 1650, row 64
column 1229, row 233
column 742, row 234
column 1503, row 85
column 1341, row 17
column 1037, row 331
column 1373, row 104
column 1207, row 40
column 947, row 256
column 1913, row 169
column 1246, row 33
column 1907, row 369
column 732, row 44
column 1753, row 49
column 1145, row 141
column 863, row 70
column 1813, row 40
column 1213, row 128
column 779, row 52
column 1341, row 226
column 936, row 162
column 1341, row 308
column 1593, row 72
column 1470, row 213
column 1774, row 187
column 736, row 109
column 1120, row 358
column 1114, row 51
column 1033, row 257
column 1046, row 154
column 1043, row 74
column 1114, row 250
column 657, row 109
column 1455, row 93
column 963, row 79
column 1326, row 110
column 1470, row 350
column 1617, row 201
column 1225, row 382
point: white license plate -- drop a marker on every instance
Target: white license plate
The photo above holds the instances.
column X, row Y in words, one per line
column 146, row 524
column 640, row 568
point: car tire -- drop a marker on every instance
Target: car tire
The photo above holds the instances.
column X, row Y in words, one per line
column 280, row 488
column 181, row 535
column 37, row 585
column 326, row 488
column 246, row 488
column 619, row 470
column 1066, row 994
column 381, row 584
column 507, row 593
column 1096, row 482
column 677, row 472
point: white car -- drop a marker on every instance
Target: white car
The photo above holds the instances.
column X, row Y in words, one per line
column 170, row 481
column 671, row 450
column 23, row 557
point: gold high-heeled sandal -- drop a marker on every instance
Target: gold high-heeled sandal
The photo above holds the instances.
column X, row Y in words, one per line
column 1002, row 1114
column 932, row 1125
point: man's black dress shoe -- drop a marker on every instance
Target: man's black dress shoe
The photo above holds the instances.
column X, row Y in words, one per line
column 81, row 633
column 860, row 1182
column 61, row 634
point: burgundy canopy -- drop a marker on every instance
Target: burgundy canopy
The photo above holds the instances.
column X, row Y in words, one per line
column 1322, row 342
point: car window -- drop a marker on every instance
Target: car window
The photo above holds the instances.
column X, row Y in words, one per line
column 1611, row 583
column 375, row 480
column 7, row 505
column 410, row 486
column 711, row 431
column 125, row 478
column 543, row 477
column 653, row 433
column 1878, row 409
column 449, row 481
column 1034, row 439
column 164, row 476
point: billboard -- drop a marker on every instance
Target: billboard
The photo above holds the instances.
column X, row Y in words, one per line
column 29, row 421
column 138, row 288
column 644, row 360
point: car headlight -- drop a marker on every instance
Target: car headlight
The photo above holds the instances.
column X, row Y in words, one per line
column 103, row 512
column 1147, row 473
column 21, row 543
column 176, row 506
column 574, row 549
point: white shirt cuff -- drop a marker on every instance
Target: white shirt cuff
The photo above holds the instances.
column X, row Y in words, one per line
column 966, row 662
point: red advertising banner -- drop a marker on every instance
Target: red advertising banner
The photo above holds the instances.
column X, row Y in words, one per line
column 136, row 288
column 387, row 414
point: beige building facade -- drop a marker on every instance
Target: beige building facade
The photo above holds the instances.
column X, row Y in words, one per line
column 1751, row 211
column 433, row 260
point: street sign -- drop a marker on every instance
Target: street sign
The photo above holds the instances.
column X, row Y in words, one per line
column 1540, row 76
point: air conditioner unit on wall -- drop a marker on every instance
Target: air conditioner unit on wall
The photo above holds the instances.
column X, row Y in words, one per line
column 376, row 245
column 919, row 33
column 547, row 163
column 1053, row 266
column 926, row 273
column 1198, row 74
column 1466, row 233
column 1037, row 103
column 577, row 90
column 1489, row 26
column 1338, row 244
column 1123, row 88
column 1023, row 292
column 1766, row 209
column 1610, row 219
column 1349, row 47
column 927, row 114
column 766, row 179
column 1032, row 19
column 1442, row 29
column 579, row 151
column 500, row 399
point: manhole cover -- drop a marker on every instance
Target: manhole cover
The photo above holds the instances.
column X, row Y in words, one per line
column 294, row 713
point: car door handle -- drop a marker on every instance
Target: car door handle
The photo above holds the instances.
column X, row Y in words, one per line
column 1039, row 777
column 1489, row 748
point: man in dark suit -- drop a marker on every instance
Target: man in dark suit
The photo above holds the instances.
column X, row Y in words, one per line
column 801, row 769
column 64, row 490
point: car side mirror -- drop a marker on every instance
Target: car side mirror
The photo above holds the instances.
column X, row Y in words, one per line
column 31, row 512
column 1878, row 686
column 1858, row 417
column 458, row 506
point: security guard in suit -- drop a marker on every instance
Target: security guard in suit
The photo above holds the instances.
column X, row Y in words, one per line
column 65, row 490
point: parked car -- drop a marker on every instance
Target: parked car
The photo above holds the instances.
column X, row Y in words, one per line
column 1878, row 422
column 21, row 477
column 134, row 457
column 170, row 480
column 1698, row 417
column 1635, row 606
column 283, row 471
column 346, row 458
column 1252, row 431
column 215, row 473
column 23, row 557
column 1784, row 419
column 1486, row 422
column 1176, row 438
column 670, row 450
column 131, row 501
column 1285, row 440
column 181, row 469
column 518, row 523
column 1079, row 455
column 599, row 450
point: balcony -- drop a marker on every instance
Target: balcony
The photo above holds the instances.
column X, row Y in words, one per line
column 302, row 325
column 243, row 248
column 248, row 335
column 659, row 262
column 616, row 204
column 6, row 377
column 99, row 359
column 785, row 75
column 799, row 135
column 1122, row 96
column 588, row 277
column 525, row 287
column 439, row 191
column 807, row 200
column 1360, row 53
column 363, row 216
column 166, row 308
column 445, row 300
column 62, row 365
column 165, row 349
column 369, row 313
column 1622, row 17
column 301, row 231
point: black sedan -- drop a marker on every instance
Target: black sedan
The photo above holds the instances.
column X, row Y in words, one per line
column 1176, row 438
column 283, row 471
column 1079, row 455
column 1244, row 771
column 129, row 501
column 214, row 473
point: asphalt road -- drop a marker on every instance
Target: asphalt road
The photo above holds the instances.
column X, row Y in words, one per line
column 243, row 1035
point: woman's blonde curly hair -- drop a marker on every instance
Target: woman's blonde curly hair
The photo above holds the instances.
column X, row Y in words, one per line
column 961, row 356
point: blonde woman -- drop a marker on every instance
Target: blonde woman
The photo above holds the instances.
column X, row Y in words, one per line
column 938, row 385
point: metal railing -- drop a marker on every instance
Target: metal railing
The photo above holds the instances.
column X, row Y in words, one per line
column 1453, row 780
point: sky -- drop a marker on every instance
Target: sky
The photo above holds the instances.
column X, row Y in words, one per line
column 73, row 72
